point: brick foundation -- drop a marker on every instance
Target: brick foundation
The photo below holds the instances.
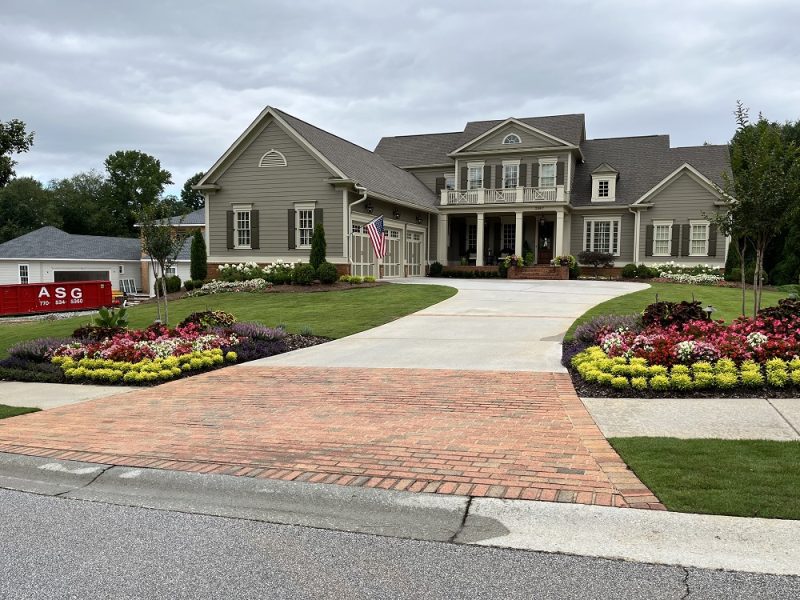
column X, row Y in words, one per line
column 539, row 272
column 612, row 272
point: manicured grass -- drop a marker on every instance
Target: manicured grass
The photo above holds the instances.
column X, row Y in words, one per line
column 727, row 302
column 13, row 411
column 330, row 314
column 745, row 478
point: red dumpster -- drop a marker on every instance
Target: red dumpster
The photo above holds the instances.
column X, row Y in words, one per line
column 27, row 298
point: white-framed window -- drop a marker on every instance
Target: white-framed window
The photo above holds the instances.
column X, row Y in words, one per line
column 474, row 177
column 472, row 237
column 602, row 188
column 510, row 174
column 602, row 235
column 698, row 238
column 547, row 173
column 449, row 181
column 122, row 269
column 171, row 271
column 24, row 274
column 304, row 222
column 509, row 236
column 241, row 228
column 512, row 138
column 662, row 238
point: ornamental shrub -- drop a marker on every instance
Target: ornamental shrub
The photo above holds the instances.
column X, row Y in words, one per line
column 725, row 365
column 198, row 267
column 589, row 333
column 621, row 370
column 326, row 273
column 777, row 378
column 680, row 370
column 752, row 378
column 704, row 380
column 669, row 313
column 639, row 383
column 605, row 378
column 318, row 247
column 620, row 382
column 173, row 285
column 702, row 366
column 786, row 309
column 681, row 381
column 596, row 259
column 435, row 270
column 188, row 285
column 257, row 331
column 645, row 272
column 657, row 370
column 660, row 383
column 37, row 351
column 795, row 376
column 209, row 318
column 775, row 364
column 726, row 380
column 303, row 274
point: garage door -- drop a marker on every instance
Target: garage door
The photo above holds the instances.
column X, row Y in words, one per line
column 80, row 276
column 362, row 255
column 414, row 245
column 392, row 260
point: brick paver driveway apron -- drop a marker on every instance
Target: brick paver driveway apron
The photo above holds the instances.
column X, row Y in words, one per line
column 500, row 433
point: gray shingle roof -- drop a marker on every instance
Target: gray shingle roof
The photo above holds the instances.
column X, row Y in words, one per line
column 367, row 168
column 51, row 242
column 196, row 217
column 433, row 148
column 642, row 162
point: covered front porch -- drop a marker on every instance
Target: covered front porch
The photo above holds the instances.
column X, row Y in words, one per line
column 483, row 238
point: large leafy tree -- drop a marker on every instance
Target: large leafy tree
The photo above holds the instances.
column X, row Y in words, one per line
column 84, row 203
column 13, row 140
column 192, row 199
column 25, row 205
column 136, row 181
column 765, row 186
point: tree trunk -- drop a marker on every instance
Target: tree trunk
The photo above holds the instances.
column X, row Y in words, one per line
column 741, row 250
column 164, row 290
column 153, row 266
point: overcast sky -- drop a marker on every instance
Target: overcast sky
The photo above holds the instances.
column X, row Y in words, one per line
column 181, row 80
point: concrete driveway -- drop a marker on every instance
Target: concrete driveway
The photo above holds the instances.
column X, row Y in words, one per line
column 488, row 326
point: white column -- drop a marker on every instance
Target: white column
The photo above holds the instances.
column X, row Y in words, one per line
column 636, row 224
column 559, row 246
column 479, row 250
column 518, row 234
column 441, row 242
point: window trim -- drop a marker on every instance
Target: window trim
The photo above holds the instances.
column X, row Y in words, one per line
column 449, row 176
column 310, row 206
column 479, row 166
column 589, row 222
column 707, row 226
column 612, row 188
column 600, row 189
column 27, row 273
column 506, row 165
column 510, row 135
column 513, row 228
column 669, row 225
column 237, row 209
column 470, row 227
column 548, row 161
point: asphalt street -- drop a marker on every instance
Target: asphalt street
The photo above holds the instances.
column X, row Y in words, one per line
column 53, row 547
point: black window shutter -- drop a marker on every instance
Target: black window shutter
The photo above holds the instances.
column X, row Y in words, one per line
column 498, row 178
column 559, row 173
column 712, row 240
column 534, row 174
column 648, row 240
column 463, row 185
column 229, row 219
column 318, row 217
column 291, row 230
column 255, row 237
column 523, row 174
column 439, row 185
column 676, row 240
column 487, row 175
column 685, row 240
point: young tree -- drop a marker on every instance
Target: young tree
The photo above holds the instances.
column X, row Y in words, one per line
column 136, row 182
column 192, row 199
column 318, row 246
column 13, row 140
column 766, row 182
column 161, row 243
column 199, row 259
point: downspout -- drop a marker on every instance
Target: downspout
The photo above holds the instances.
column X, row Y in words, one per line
column 637, row 225
column 359, row 188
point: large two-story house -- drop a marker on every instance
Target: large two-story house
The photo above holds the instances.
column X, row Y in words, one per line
column 467, row 197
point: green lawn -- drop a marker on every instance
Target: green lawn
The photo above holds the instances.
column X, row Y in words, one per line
column 13, row 411
column 726, row 301
column 330, row 314
column 745, row 478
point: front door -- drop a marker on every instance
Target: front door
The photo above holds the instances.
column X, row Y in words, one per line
column 545, row 247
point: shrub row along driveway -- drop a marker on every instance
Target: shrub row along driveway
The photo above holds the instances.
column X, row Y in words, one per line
column 493, row 325
column 498, row 434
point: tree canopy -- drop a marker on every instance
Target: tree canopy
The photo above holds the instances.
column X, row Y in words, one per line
column 192, row 199
column 136, row 182
column 13, row 140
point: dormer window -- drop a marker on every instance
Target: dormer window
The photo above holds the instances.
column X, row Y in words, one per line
column 604, row 183
column 602, row 188
column 512, row 138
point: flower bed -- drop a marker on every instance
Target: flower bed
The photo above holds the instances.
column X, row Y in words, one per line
column 671, row 349
column 203, row 341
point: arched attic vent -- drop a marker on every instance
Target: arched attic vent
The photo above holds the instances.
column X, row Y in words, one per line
column 273, row 158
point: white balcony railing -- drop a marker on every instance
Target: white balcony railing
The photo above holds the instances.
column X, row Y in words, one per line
column 505, row 196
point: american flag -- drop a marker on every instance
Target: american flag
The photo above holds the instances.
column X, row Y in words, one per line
column 376, row 236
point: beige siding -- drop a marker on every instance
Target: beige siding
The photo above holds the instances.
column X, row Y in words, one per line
column 627, row 226
column 682, row 201
column 272, row 191
column 528, row 139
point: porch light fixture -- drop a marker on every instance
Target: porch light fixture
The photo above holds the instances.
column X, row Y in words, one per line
column 419, row 219
column 541, row 220
column 396, row 213
column 368, row 206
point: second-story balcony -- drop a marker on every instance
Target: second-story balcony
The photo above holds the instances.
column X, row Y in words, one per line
column 503, row 196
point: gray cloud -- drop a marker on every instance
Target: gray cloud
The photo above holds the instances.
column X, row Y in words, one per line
column 181, row 80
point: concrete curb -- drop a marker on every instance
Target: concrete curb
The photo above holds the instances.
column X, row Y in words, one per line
column 688, row 540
